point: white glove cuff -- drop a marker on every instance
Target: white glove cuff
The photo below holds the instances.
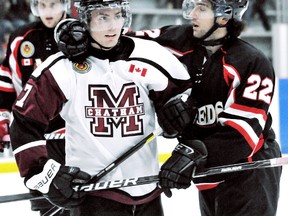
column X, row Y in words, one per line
column 43, row 180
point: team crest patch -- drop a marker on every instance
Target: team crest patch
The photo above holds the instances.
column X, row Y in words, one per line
column 27, row 49
column 83, row 67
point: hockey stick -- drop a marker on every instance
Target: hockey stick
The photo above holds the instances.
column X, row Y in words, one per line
column 127, row 154
column 87, row 187
column 116, row 163
column 53, row 211
column 268, row 163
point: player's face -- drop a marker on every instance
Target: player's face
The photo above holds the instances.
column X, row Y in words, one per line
column 105, row 26
column 202, row 16
column 51, row 12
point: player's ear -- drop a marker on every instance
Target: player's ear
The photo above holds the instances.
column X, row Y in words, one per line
column 222, row 21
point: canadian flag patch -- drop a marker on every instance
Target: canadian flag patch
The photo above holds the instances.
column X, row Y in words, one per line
column 27, row 62
column 142, row 71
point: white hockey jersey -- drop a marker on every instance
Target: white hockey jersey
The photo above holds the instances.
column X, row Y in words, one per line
column 108, row 103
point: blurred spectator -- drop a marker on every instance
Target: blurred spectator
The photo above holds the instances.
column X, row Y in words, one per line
column 6, row 28
column 170, row 4
column 13, row 14
column 258, row 7
column 174, row 4
column 4, row 7
column 19, row 12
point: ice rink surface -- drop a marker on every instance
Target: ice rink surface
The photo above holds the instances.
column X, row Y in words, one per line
column 182, row 203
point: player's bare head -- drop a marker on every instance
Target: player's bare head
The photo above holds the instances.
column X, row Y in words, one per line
column 229, row 9
column 88, row 9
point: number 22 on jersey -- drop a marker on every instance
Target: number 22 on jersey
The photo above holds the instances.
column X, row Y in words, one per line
column 259, row 89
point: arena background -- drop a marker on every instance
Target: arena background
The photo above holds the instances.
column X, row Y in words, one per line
column 155, row 13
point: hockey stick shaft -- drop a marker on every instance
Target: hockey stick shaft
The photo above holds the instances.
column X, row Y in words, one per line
column 127, row 154
column 87, row 187
column 268, row 163
column 116, row 163
column 275, row 162
column 146, row 140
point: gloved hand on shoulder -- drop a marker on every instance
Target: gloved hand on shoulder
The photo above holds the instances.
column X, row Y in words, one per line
column 56, row 181
column 4, row 129
column 72, row 39
column 177, row 171
column 176, row 115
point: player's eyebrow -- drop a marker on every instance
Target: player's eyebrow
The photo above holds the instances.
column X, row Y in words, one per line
column 105, row 14
column 202, row 4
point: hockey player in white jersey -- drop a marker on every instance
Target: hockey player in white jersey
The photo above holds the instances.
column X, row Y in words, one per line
column 108, row 102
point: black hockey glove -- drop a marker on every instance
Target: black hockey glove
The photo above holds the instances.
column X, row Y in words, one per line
column 176, row 115
column 55, row 182
column 177, row 171
column 72, row 39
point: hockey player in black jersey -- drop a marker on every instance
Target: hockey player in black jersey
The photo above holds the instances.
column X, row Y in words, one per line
column 108, row 102
column 28, row 47
column 233, row 84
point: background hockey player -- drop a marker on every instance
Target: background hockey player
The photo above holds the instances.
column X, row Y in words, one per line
column 233, row 84
column 108, row 103
column 28, row 47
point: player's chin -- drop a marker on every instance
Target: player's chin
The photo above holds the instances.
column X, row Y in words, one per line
column 50, row 23
column 197, row 34
column 111, row 42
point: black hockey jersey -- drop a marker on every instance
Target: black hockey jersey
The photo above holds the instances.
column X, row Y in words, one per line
column 234, row 89
column 27, row 48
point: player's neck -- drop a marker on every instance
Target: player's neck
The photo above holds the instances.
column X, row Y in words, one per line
column 218, row 37
column 212, row 49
